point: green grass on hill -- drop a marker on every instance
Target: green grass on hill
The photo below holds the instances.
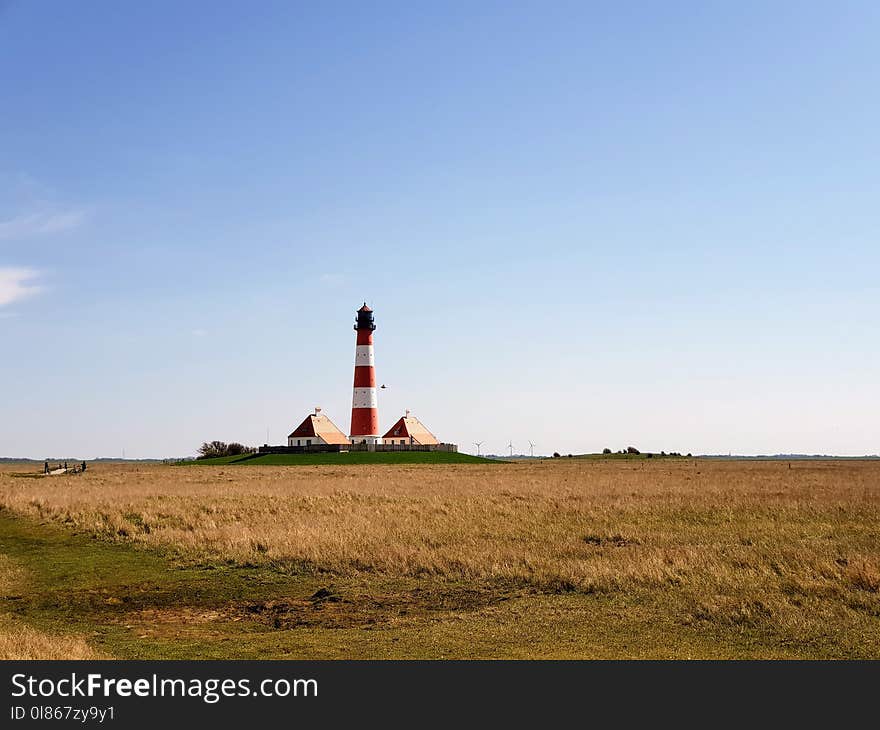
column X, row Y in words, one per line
column 350, row 457
column 219, row 460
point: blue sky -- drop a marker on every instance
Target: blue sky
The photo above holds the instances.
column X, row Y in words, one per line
column 584, row 224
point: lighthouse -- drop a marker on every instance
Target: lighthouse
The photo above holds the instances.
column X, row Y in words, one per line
column 364, row 407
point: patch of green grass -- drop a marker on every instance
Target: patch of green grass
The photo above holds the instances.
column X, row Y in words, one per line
column 348, row 457
column 216, row 461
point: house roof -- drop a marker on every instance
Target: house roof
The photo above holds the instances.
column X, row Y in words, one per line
column 411, row 427
column 317, row 424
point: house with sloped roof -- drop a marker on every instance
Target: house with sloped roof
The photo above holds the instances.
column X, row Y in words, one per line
column 409, row 430
column 315, row 430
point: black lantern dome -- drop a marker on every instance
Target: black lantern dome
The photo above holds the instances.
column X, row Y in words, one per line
column 365, row 319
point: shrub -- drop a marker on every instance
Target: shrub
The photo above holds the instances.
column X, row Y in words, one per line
column 235, row 448
column 213, row 449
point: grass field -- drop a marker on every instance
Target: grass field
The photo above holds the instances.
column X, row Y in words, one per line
column 553, row 559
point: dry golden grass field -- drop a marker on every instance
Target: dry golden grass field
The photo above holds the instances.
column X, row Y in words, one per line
column 567, row 558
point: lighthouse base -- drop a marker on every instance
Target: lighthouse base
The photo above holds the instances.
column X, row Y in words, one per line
column 368, row 440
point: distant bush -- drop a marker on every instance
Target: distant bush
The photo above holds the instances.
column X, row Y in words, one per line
column 606, row 451
column 235, row 448
column 556, row 454
column 213, row 449
column 632, row 450
column 649, row 455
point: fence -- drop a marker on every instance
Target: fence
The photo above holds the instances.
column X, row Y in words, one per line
column 337, row 448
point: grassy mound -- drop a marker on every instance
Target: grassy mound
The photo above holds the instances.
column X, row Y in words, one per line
column 219, row 460
column 350, row 457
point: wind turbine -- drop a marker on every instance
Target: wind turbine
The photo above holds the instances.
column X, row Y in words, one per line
column 478, row 444
column 510, row 446
column 531, row 449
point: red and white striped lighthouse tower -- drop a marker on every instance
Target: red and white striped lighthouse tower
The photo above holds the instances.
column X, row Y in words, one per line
column 364, row 407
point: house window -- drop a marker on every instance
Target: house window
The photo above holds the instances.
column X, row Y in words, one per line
column 298, row 442
column 402, row 441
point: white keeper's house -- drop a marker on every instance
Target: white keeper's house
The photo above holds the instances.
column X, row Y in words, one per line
column 316, row 429
column 409, row 430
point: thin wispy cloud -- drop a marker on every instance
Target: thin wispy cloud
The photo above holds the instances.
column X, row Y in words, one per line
column 38, row 224
column 332, row 279
column 17, row 284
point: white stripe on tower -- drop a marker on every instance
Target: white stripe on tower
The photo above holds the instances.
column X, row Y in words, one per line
column 364, row 398
column 363, row 355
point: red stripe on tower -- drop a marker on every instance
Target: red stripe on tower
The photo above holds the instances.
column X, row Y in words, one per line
column 364, row 407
